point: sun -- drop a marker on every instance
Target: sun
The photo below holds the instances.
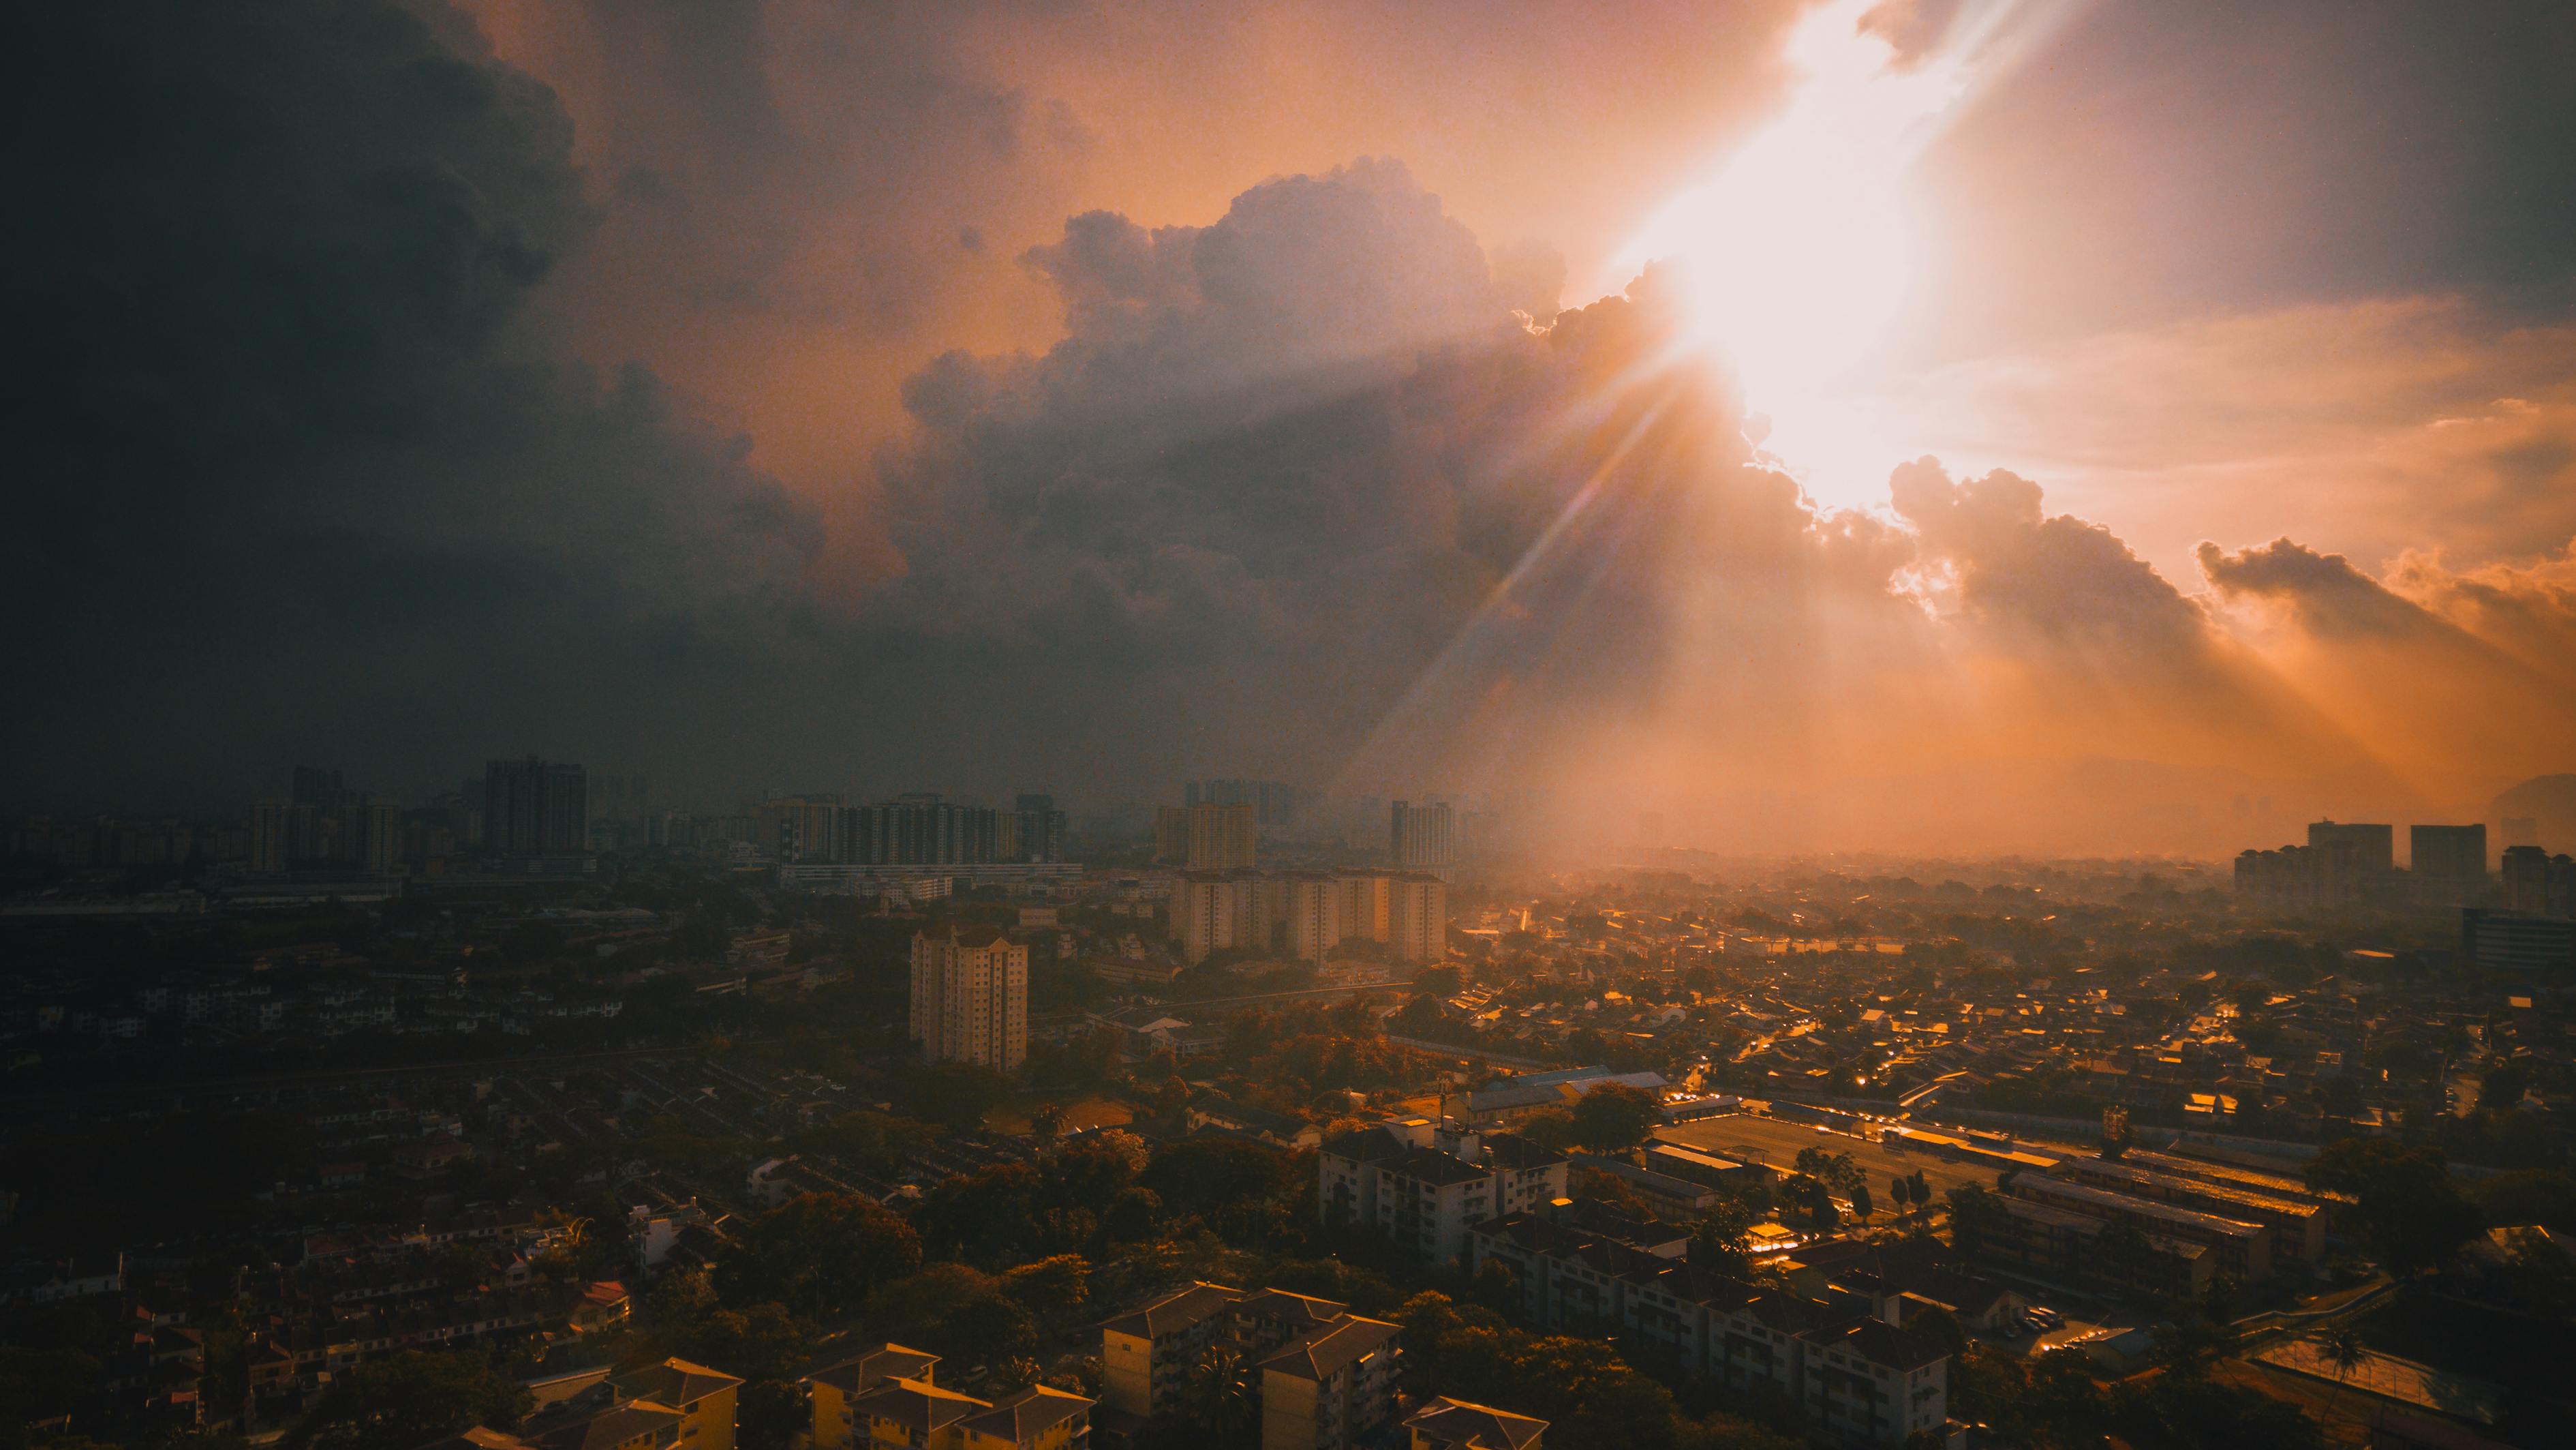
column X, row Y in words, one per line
column 1799, row 253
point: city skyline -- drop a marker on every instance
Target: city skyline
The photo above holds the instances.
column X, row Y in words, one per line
column 1296, row 725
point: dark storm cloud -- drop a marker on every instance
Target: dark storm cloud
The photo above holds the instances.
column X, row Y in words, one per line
column 274, row 414
column 820, row 163
column 1259, row 483
column 307, row 468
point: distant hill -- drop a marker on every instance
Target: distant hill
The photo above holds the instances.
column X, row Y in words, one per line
column 2549, row 800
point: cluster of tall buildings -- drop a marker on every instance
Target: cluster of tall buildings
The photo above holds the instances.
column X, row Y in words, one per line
column 534, row 807
column 918, row 829
column 323, row 825
column 1418, row 838
column 1208, row 835
column 970, row 997
column 1276, row 805
column 2539, row 883
column 2346, row 863
column 1305, row 914
column 2536, row 929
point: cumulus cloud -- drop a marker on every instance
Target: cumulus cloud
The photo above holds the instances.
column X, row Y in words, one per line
column 2047, row 575
column 2483, row 695
column 2325, row 591
column 2527, row 609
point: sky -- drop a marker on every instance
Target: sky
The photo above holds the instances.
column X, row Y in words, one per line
column 1959, row 424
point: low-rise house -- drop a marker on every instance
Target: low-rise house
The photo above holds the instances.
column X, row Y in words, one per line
column 1447, row 1424
column 604, row 1305
column 1146, row 1356
column 919, row 1415
column 1331, row 1390
column 704, row 1398
column 837, row 1389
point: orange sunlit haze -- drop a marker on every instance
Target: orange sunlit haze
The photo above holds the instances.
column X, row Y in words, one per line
column 1982, row 425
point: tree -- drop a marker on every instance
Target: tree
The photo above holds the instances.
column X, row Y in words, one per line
column 2191, row 1413
column 2340, row 1346
column 1941, row 1325
column 2410, row 1212
column 1580, row 1385
column 1423, row 1015
column 2061, row 1403
column 2528, row 1196
column 1899, row 1193
column 1551, row 1128
column 1614, row 1117
column 2503, row 1085
column 1860, row 1201
column 685, row 1297
column 1811, row 1197
column 1837, row 1170
column 1438, row 981
column 989, row 1215
column 1973, row 1213
column 1221, row 1400
column 1046, row 1120
column 2124, row 1254
column 1718, row 1243
column 954, row 1311
column 1134, row 1215
column 1052, row 1288
column 763, row 1342
column 1206, row 1175
column 2196, row 1334
column 1610, row 1189
column 820, row 1254
column 957, row 1095
column 2540, row 1277
column 768, row 1413
column 408, row 1400
column 41, row 1383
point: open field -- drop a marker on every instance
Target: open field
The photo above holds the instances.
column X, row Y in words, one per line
column 1776, row 1142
